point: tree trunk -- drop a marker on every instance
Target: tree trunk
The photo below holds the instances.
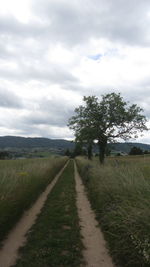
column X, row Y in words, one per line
column 102, row 148
column 89, row 150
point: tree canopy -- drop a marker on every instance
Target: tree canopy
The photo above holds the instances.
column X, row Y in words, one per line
column 136, row 151
column 106, row 120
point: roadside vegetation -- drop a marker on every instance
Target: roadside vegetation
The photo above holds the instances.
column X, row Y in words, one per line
column 55, row 238
column 119, row 192
column 21, row 182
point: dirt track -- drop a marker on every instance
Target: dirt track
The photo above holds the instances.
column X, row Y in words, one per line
column 95, row 253
column 17, row 237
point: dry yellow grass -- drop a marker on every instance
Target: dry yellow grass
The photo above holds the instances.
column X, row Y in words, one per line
column 21, row 181
column 120, row 194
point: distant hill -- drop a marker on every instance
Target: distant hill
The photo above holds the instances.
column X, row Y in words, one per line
column 34, row 142
column 39, row 142
column 126, row 147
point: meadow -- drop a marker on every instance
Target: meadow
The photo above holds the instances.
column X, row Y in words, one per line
column 21, row 182
column 119, row 193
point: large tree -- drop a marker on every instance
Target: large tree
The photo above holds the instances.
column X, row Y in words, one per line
column 107, row 120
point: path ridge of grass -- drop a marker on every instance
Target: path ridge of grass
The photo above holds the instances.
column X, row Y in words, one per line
column 55, row 238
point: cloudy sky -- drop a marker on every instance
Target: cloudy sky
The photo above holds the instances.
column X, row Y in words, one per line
column 53, row 52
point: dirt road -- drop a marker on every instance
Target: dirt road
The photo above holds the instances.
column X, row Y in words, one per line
column 95, row 253
column 17, row 237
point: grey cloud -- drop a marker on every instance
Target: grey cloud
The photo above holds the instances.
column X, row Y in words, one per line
column 145, row 83
column 38, row 118
column 75, row 22
column 69, row 23
column 53, row 74
column 10, row 26
column 36, row 125
column 4, row 53
column 48, row 132
column 136, row 94
column 9, row 99
column 72, row 23
column 54, row 112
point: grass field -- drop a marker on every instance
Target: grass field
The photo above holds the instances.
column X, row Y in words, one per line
column 120, row 194
column 21, row 181
column 55, row 238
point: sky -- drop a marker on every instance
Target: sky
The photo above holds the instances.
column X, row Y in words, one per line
column 54, row 52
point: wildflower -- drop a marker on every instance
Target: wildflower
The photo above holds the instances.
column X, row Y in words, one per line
column 23, row 173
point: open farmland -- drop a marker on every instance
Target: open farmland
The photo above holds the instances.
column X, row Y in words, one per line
column 21, row 182
column 119, row 192
column 120, row 195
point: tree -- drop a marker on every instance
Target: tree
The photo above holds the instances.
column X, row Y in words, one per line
column 106, row 120
column 136, row 151
column 82, row 126
column 4, row 155
column 77, row 150
column 67, row 153
column 107, row 151
column 146, row 152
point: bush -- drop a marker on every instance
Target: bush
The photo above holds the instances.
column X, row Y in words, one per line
column 136, row 151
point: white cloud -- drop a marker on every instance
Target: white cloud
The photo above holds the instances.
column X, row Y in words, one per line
column 54, row 52
column 60, row 55
column 17, row 8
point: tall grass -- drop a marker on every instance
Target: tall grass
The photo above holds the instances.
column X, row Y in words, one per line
column 55, row 240
column 21, row 181
column 120, row 194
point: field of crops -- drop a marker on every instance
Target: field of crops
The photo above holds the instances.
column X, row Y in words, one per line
column 21, row 182
column 120, row 194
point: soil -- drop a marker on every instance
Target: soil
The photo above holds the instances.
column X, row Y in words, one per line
column 17, row 237
column 95, row 253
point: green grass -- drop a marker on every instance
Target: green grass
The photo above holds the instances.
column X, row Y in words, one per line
column 21, row 182
column 120, row 194
column 55, row 238
column 42, row 154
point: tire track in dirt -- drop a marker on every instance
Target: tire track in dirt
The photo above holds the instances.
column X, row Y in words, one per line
column 95, row 253
column 17, row 237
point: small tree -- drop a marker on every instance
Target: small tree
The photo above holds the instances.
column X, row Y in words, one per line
column 107, row 120
column 77, row 150
column 4, row 155
column 67, row 153
column 136, row 151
